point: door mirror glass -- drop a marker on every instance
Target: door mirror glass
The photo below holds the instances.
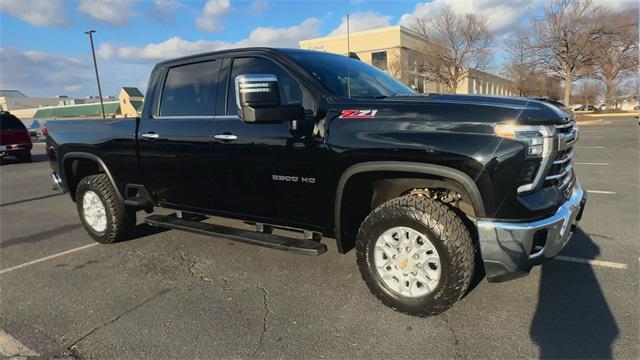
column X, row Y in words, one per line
column 258, row 100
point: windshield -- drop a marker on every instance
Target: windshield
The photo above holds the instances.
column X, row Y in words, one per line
column 332, row 72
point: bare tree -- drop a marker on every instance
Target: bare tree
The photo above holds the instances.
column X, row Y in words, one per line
column 520, row 65
column 563, row 36
column 616, row 49
column 587, row 92
column 454, row 43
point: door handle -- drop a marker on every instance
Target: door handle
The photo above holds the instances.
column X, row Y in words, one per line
column 150, row 135
column 225, row 137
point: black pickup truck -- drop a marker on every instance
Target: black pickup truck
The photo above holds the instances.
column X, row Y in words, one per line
column 424, row 187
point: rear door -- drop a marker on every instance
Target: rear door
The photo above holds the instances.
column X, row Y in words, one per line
column 177, row 160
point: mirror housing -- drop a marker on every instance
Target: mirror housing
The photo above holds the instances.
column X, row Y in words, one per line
column 258, row 100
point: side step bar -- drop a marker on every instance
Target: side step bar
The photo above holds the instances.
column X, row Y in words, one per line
column 299, row 246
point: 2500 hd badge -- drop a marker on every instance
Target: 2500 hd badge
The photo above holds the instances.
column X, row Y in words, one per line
column 287, row 178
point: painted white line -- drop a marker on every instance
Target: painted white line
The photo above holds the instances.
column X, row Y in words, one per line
column 590, row 147
column 601, row 192
column 588, row 163
column 606, row 264
column 3, row 271
column 10, row 347
column 591, row 137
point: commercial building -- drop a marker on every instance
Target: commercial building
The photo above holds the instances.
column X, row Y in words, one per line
column 401, row 52
column 128, row 104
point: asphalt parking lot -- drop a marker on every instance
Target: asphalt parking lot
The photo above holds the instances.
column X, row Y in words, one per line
column 171, row 294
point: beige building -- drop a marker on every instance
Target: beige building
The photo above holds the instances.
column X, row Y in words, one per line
column 401, row 51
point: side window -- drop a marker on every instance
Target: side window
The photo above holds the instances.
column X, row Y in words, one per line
column 290, row 92
column 190, row 90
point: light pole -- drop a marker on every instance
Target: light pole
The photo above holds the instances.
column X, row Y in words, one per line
column 95, row 66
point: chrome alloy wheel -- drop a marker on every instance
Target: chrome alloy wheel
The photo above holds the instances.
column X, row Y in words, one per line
column 94, row 211
column 407, row 262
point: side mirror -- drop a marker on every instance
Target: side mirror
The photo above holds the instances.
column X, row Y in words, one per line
column 258, row 100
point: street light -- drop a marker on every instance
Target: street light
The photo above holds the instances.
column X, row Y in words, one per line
column 95, row 66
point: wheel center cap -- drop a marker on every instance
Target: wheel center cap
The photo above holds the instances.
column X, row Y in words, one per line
column 402, row 263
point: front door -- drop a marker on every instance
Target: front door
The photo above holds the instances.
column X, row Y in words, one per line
column 275, row 175
column 176, row 155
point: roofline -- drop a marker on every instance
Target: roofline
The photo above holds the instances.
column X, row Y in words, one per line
column 401, row 28
column 217, row 52
column 77, row 105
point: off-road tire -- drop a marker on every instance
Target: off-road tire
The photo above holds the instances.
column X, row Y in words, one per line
column 447, row 233
column 121, row 220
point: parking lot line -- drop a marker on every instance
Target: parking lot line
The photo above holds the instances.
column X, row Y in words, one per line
column 590, row 137
column 606, row 264
column 31, row 199
column 601, row 192
column 590, row 147
column 10, row 347
column 591, row 163
column 4, row 271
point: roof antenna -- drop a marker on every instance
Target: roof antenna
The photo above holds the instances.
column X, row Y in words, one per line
column 348, row 60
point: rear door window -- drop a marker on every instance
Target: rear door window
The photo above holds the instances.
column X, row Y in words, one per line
column 10, row 122
column 190, row 90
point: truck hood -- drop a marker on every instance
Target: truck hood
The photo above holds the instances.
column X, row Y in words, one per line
column 465, row 108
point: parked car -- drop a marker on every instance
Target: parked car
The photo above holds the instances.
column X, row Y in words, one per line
column 14, row 138
column 35, row 131
column 585, row 108
column 305, row 140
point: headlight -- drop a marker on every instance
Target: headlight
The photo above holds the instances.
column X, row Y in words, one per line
column 538, row 141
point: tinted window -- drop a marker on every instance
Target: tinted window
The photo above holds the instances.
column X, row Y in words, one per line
column 10, row 122
column 333, row 73
column 290, row 92
column 190, row 90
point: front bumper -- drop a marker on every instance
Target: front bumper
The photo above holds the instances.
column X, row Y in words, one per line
column 510, row 249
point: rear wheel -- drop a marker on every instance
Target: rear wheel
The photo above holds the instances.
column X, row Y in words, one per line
column 415, row 255
column 102, row 211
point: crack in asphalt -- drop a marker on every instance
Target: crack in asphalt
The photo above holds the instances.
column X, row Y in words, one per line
column 267, row 311
column 226, row 287
column 71, row 348
column 456, row 341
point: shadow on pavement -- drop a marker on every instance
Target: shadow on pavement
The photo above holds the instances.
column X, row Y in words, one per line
column 35, row 158
column 573, row 319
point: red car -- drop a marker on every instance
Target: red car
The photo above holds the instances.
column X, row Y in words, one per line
column 14, row 138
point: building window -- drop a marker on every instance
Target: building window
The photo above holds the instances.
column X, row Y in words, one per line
column 379, row 60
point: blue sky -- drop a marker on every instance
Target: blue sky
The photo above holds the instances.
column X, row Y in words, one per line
column 44, row 51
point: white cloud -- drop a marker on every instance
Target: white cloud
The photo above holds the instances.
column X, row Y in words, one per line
column 39, row 73
column 616, row 4
column 501, row 14
column 258, row 7
column 37, row 12
column 114, row 12
column 164, row 10
column 176, row 46
column 362, row 21
column 211, row 13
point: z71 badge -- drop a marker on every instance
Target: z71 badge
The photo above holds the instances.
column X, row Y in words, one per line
column 358, row 114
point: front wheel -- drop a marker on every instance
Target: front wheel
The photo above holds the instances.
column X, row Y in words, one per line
column 416, row 255
column 102, row 211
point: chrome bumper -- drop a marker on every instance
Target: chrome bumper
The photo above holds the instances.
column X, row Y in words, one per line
column 510, row 249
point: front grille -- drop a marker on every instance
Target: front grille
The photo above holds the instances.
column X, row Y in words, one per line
column 560, row 174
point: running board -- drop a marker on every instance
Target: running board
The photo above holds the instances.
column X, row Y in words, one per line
column 299, row 246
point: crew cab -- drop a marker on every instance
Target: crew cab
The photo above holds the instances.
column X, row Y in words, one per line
column 424, row 187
